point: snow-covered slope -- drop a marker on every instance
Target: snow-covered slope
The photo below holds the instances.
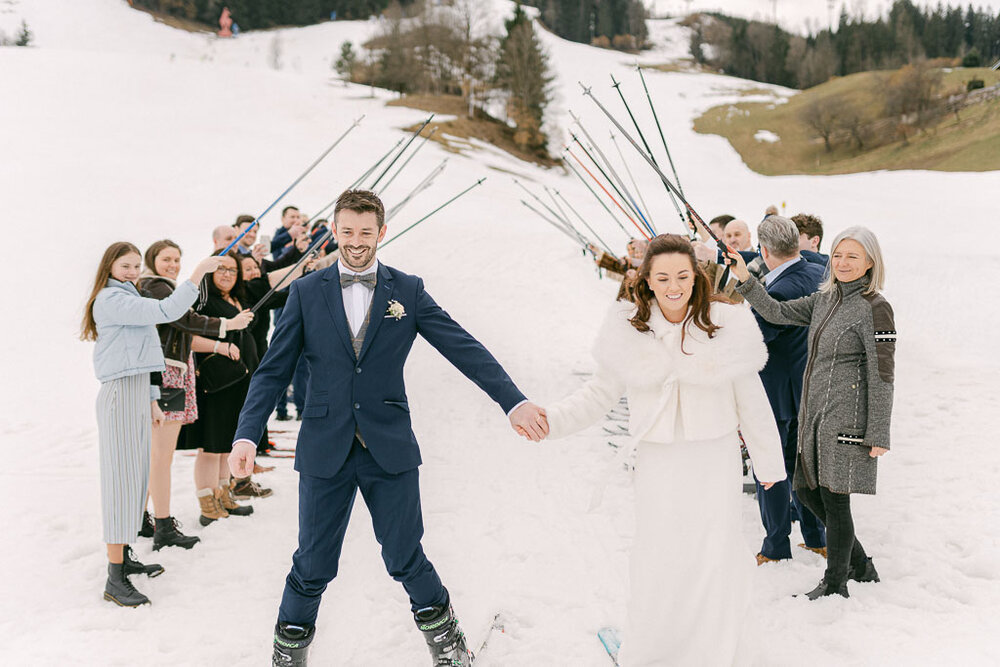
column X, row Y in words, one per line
column 116, row 127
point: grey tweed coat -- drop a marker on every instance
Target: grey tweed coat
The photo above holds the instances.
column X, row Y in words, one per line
column 847, row 389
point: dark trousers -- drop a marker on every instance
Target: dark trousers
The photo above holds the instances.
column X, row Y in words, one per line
column 842, row 547
column 775, row 510
column 324, row 510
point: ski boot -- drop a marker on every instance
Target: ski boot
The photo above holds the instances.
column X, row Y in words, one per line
column 291, row 644
column 444, row 637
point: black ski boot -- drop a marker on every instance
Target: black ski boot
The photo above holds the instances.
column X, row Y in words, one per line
column 291, row 645
column 132, row 566
column 864, row 574
column 444, row 637
column 120, row 590
column 168, row 534
column 147, row 525
column 824, row 589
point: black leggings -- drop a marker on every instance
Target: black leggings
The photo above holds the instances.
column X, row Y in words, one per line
column 842, row 547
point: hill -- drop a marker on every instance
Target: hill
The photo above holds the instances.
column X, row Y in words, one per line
column 773, row 140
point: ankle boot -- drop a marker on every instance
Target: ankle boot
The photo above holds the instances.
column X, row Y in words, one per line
column 864, row 574
column 824, row 589
column 120, row 590
column 168, row 534
column 133, row 566
column 147, row 525
column 291, row 644
column 443, row 635
column 211, row 508
column 226, row 499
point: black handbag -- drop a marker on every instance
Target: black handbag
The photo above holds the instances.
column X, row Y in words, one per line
column 217, row 372
column 171, row 399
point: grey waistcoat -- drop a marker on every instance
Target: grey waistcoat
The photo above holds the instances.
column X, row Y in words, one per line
column 847, row 388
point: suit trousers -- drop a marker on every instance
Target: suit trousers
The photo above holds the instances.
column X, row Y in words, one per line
column 775, row 511
column 324, row 510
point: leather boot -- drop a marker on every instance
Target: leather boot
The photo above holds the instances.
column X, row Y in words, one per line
column 211, row 508
column 226, row 499
column 120, row 590
column 824, row 589
column 291, row 644
column 864, row 574
column 147, row 525
column 443, row 635
column 168, row 534
column 133, row 566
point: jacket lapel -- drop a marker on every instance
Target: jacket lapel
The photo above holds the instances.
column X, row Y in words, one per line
column 335, row 302
column 794, row 268
column 380, row 301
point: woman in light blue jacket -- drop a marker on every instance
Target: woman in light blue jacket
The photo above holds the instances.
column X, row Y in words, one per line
column 123, row 324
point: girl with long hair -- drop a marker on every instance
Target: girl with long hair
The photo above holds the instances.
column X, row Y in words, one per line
column 688, row 363
column 123, row 325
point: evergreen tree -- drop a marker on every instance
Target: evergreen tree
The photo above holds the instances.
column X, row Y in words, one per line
column 523, row 71
column 24, row 36
column 346, row 62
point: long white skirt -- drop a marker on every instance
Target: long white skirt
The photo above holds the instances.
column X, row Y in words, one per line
column 690, row 568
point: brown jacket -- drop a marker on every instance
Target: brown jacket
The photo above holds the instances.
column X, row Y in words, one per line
column 175, row 337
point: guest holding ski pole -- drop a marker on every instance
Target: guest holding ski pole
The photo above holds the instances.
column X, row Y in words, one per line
column 847, row 393
column 180, row 339
column 127, row 350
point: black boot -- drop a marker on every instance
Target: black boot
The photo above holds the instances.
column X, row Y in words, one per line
column 825, row 589
column 291, row 644
column 444, row 637
column 168, row 534
column 132, row 566
column 147, row 525
column 864, row 574
column 120, row 590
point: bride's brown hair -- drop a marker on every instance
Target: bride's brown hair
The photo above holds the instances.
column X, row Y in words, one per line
column 699, row 307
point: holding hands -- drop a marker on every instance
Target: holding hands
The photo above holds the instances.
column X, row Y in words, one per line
column 530, row 421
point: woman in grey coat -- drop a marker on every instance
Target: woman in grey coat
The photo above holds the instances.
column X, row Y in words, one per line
column 123, row 325
column 847, row 393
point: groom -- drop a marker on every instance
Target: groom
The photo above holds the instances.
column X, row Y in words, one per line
column 355, row 323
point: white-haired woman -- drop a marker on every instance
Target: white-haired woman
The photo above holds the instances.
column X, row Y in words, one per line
column 847, row 395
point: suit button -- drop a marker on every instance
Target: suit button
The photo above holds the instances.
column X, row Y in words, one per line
column 357, row 370
column 357, row 406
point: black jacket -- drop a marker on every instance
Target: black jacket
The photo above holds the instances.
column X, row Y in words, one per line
column 175, row 337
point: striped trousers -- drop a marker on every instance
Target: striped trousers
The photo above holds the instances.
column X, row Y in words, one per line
column 124, row 432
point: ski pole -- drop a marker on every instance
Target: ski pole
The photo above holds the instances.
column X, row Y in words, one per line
column 375, row 166
column 566, row 217
column 631, row 177
column 610, row 182
column 407, row 160
column 642, row 231
column 546, row 219
column 305, row 256
column 423, row 185
column 400, row 153
column 433, row 212
column 652, row 108
column 294, row 183
column 585, row 224
column 536, row 198
column 596, row 196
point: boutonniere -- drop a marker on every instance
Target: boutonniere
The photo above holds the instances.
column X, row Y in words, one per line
column 395, row 310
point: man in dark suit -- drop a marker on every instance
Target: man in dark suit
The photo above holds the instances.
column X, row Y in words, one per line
column 355, row 322
column 788, row 277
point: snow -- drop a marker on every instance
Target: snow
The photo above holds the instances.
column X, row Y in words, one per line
column 119, row 127
column 766, row 136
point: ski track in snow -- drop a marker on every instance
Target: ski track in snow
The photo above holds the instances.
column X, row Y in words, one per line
column 118, row 127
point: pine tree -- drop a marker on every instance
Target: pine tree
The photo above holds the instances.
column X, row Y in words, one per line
column 346, row 62
column 24, row 36
column 523, row 71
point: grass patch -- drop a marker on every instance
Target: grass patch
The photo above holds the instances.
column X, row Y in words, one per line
column 970, row 142
column 481, row 126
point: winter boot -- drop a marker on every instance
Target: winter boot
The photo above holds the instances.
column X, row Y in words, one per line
column 133, row 566
column 147, row 525
column 120, row 590
column 211, row 508
column 444, row 637
column 245, row 489
column 291, row 645
column 864, row 574
column 229, row 503
column 168, row 534
column 824, row 589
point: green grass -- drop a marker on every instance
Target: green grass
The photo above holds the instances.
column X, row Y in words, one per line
column 969, row 143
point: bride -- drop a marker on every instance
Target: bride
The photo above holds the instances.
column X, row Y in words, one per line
column 688, row 364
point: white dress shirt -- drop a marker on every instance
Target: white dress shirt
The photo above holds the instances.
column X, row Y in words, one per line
column 357, row 297
column 778, row 270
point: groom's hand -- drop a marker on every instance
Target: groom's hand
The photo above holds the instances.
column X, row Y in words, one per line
column 241, row 459
column 529, row 420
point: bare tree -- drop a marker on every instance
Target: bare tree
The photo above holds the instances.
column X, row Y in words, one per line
column 824, row 118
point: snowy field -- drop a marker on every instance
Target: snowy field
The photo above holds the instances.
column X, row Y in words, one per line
column 116, row 127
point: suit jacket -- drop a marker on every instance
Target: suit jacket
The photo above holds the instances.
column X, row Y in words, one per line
column 787, row 345
column 346, row 393
column 815, row 257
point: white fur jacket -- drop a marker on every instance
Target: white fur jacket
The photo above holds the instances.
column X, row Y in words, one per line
column 702, row 395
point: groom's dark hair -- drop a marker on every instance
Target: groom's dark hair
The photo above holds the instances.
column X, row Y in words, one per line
column 360, row 201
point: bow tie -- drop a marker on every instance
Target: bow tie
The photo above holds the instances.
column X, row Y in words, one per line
column 368, row 280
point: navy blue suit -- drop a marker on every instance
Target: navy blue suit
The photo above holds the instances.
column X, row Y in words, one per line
column 364, row 393
column 815, row 257
column 787, row 349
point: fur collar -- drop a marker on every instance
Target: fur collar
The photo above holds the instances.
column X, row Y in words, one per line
column 652, row 358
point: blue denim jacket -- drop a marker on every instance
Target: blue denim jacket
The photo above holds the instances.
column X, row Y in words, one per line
column 127, row 341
